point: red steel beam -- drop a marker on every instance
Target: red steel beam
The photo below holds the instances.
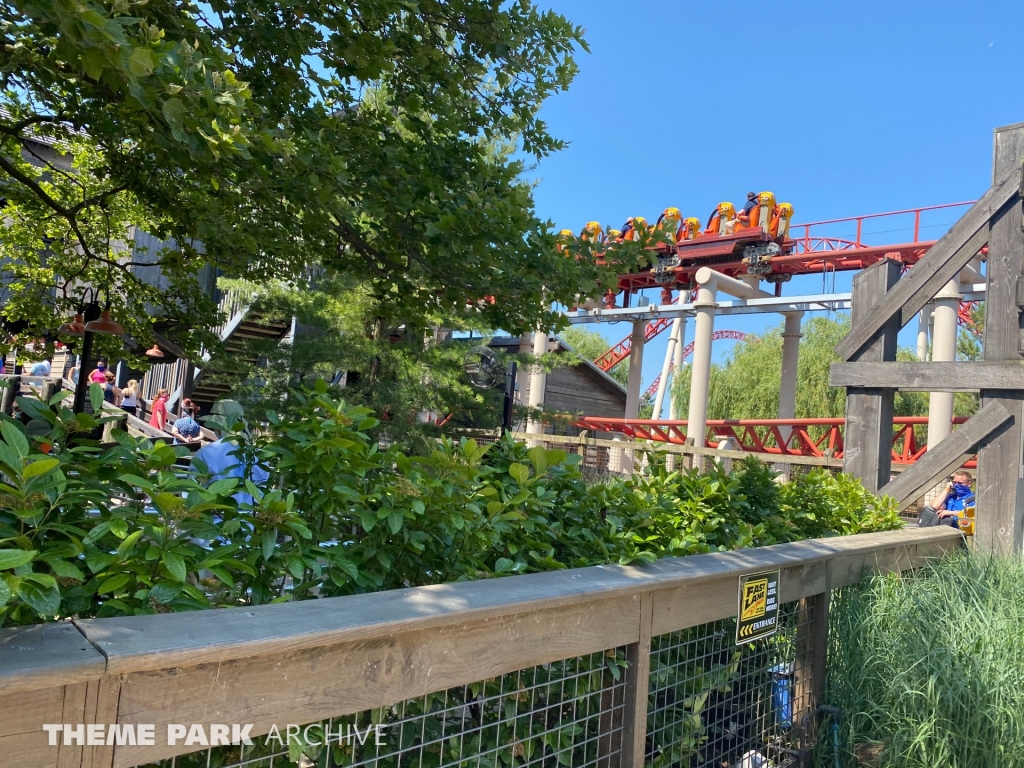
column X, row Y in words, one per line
column 688, row 350
column 765, row 435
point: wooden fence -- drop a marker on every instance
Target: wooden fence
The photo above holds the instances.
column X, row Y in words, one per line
column 608, row 666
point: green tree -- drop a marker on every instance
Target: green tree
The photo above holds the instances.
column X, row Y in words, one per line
column 402, row 371
column 590, row 345
column 284, row 135
column 746, row 385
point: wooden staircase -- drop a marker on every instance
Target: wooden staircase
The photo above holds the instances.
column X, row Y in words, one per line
column 186, row 379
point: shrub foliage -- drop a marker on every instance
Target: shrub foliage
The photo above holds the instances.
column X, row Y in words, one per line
column 126, row 529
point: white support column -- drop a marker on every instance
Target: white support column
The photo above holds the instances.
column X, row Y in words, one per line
column 636, row 364
column 666, row 367
column 790, row 361
column 708, row 282
column 700, row 371
column 923, row 321
column 677, row 368
column 538, row 383
column 940, row 404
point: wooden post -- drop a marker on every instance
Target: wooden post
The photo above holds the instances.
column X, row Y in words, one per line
column 999, row 461
column 810, row 667
column 869, row 410
column 638, row 674
column 48, row 389
column 9, row 394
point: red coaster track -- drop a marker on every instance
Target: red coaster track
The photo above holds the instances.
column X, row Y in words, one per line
column 822, row 438
column 808, row 250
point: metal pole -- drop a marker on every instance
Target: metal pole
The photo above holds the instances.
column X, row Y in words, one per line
column 666, row 367
column 940, row 404
column 700, row 373
column 790, row 361
column 84, row 368
column 636, row 362
column 923, row 321
column 673, row 410
column 510, row 396
column 538, row 383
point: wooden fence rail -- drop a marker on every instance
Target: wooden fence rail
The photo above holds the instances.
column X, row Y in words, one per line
column 306, row 661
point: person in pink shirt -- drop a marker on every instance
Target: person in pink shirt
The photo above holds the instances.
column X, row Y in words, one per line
column 99, row 373
column 159, row 415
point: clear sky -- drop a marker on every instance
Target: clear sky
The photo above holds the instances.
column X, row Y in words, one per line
column 838, row 108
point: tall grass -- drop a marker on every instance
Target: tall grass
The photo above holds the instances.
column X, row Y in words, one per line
column 931, row 667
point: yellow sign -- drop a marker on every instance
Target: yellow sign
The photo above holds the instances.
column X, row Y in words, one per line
column 757, row 614
column 754, row 599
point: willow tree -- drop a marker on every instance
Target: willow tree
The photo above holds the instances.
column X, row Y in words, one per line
column 746, row 384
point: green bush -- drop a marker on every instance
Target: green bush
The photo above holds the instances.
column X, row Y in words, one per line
column 928, row 667
column 121, row 530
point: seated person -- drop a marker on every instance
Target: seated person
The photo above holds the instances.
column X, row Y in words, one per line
column 628, row 231
column 950, row 507
column 748, row 207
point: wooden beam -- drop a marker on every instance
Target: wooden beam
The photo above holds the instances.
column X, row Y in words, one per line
column 330, row 681
column 949, row 454
column 202, row 637
column 868, row 453
column 941, row 264
column 300, row 662
column 43, row 655
column 810, row 668
column 999, row 526
column 638, row 674
column 930, row 377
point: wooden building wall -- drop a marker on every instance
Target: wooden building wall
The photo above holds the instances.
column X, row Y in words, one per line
column 575, row 389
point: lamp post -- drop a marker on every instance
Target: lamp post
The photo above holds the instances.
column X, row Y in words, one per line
column 89, row 314
column 96, row 321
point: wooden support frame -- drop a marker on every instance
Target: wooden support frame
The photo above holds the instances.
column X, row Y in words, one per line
column 941, row 264
column 949, row 454
column 869, row 410
column 930, row 377
column 810, row 669
column 999, row 526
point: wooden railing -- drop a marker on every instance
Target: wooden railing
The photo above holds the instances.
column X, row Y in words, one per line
column 303, row 662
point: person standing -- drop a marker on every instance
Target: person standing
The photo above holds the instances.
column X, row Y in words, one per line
column 98, row 375
column 42, row 368
column 111, row 392
column 130, row 397
column 159, row 416
column 186, row 430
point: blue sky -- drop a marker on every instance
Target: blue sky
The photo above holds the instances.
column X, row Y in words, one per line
column 841, row 109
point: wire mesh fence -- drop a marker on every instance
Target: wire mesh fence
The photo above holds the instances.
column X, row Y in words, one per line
column 566, row 714
column 713, row 703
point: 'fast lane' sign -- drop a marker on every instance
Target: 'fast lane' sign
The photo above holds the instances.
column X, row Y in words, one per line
column 757, row 614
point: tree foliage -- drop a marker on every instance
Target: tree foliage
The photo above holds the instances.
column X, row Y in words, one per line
column 412, row 373
column 279, row 135
column 746, row 385
column 591, row 345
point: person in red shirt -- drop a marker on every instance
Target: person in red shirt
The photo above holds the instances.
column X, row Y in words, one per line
column 159, row 415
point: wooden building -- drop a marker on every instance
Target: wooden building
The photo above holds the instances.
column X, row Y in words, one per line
column 579, row 387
